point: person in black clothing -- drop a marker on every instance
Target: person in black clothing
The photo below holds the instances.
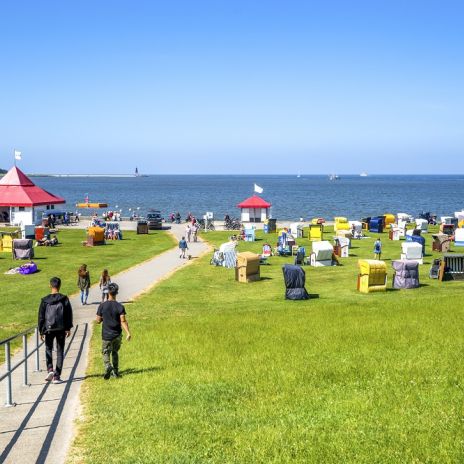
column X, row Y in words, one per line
column 113, row 315
column 55, row 323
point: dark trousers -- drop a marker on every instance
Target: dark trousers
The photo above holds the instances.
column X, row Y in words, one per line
column 60, row 338
column 111, row 348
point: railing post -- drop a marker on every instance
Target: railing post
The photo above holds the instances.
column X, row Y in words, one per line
column 37, row 357
column 9, row 395
column 25, row 379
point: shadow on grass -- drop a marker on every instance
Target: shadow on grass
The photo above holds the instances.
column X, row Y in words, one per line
column 124, row 372
column 314, row 296
column 392, row 289
column 96, row 303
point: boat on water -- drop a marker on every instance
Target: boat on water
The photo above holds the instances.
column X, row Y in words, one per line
column 334, row 177
column 298, row 175
column 363, row 174
column 92, row 205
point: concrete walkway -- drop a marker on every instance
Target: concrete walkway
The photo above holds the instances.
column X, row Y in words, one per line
column 39, row 429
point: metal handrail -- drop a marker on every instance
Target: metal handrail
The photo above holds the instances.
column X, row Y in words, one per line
column 27, row 331
column 26, row 355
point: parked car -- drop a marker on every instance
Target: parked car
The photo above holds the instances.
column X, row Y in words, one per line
column 155, row 221
column 59, row 216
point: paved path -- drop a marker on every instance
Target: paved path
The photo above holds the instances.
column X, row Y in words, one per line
column 39, row 429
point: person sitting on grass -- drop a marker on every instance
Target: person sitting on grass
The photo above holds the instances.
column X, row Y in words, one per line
column 113, row 316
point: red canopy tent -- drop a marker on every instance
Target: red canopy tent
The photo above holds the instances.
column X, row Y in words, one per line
column 254, row 209
column 19, row 194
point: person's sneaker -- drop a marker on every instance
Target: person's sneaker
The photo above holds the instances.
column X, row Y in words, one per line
column 108, row 373
column 50, row 376
column 116, row 374
column 56, row 379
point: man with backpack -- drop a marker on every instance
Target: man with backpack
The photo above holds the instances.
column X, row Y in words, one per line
column 55, row 323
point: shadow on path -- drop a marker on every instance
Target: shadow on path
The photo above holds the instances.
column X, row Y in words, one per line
column 56, row 419
column 25, row 421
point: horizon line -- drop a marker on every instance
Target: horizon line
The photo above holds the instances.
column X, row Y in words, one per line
column 234, row 174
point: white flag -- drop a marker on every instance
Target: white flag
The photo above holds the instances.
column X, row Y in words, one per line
column 258, row 189
column 17, row 155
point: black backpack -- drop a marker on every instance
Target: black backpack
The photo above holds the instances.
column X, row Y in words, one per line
column 54, row 317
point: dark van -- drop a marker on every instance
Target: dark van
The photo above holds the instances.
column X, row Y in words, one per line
column 155, row 221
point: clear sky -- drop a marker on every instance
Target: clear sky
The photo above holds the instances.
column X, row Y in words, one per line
column 238, row 86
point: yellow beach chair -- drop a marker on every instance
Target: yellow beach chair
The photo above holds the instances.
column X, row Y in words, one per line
column 372, row 276
column 341, row 223
column 316, row 232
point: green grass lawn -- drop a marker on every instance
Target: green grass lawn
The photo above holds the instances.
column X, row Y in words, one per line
column 222, row 372
column 20, row 295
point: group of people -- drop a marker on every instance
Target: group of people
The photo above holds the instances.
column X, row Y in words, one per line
column 111, row 216
column 66, row 219
column 83, row 283
column 55, row 321
column 191, row 231
column 175, row 217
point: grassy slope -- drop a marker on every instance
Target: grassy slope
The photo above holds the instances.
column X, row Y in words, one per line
column 21, row 294
column 226, row 372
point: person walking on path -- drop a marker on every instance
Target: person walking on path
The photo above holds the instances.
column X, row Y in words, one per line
column 183, row 247
column 55, row 323
column 195, row 228
column 377, row 249
column 83, row 282
column 105, row 280
column 113, row 316
column 188, row 231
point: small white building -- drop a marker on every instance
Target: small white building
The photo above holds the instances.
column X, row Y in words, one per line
column 254, row 209
column 22, row 203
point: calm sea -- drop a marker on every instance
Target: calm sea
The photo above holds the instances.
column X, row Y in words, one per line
column 291, row 197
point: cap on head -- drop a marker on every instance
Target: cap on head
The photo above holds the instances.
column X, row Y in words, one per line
column 113, row 289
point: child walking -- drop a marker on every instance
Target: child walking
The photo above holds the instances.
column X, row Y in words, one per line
column 183, row 247
column 83, row 283
column 105, row 281
column 377, row 249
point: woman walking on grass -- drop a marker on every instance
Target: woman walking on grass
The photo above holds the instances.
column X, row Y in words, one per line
column 105, row 281
column 83, row 282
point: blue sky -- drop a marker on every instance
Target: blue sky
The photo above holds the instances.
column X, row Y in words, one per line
column 233, row 86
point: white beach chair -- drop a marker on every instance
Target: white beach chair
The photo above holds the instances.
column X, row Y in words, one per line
column 412, row 251
column 322, row 253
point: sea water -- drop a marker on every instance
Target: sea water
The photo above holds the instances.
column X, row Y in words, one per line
column 292, row 197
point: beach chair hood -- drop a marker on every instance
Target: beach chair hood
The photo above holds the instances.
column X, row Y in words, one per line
column 295, row 279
